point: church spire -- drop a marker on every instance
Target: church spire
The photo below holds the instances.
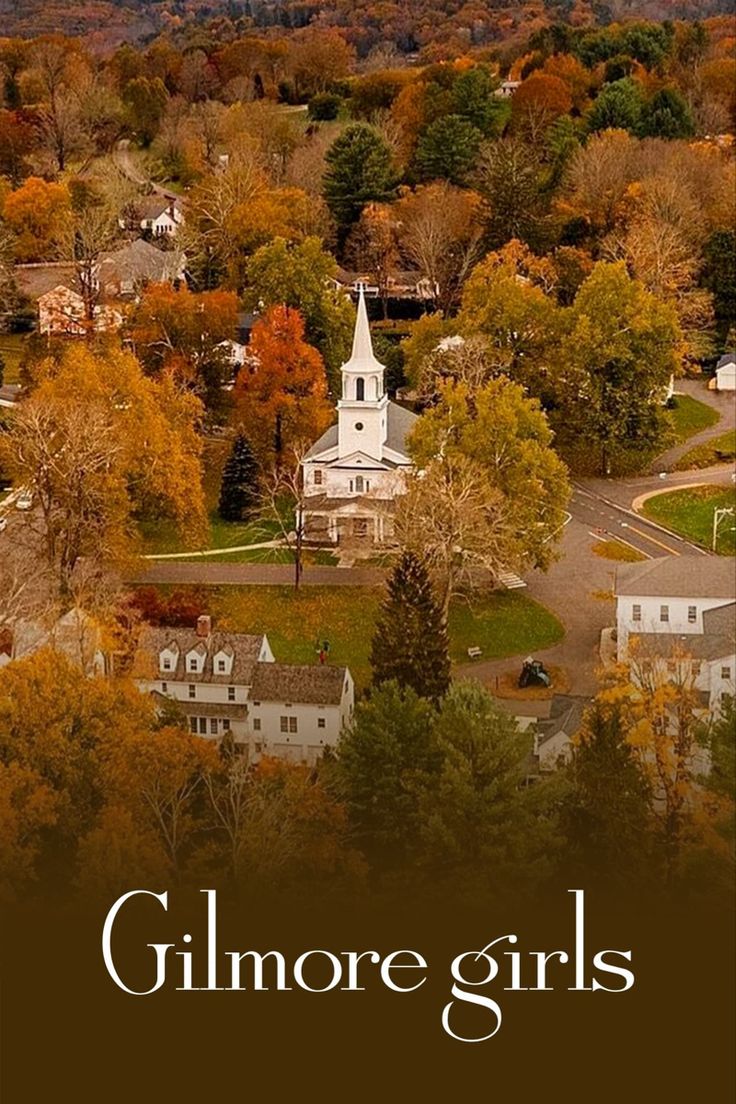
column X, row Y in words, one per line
column 362, row 357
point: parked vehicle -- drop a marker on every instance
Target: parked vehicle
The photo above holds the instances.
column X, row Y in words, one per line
column 24, row 501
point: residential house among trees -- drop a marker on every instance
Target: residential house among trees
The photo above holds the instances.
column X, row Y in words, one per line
column 159, row 215
column 356, row 470
column 681, row 606
column 229, row 684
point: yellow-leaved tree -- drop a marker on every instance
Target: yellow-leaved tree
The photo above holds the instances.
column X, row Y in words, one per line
column 103, row 447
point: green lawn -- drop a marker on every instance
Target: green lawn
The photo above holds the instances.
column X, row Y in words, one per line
column 721, row 450
column 501, row 624
column 11, row 350
column 690, row 416
column 690, row 512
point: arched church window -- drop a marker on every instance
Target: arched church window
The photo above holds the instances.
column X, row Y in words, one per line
column 359, row 484
column 360, row 389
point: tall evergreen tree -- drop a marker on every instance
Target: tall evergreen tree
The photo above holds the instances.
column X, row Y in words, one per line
column 410, row 640
column 359, row 171
column 239, row 488
column 605, row 816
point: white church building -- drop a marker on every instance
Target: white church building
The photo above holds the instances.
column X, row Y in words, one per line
column 356, row 470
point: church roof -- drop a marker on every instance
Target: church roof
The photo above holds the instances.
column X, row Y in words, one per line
column 362, row 358
column 400, row 422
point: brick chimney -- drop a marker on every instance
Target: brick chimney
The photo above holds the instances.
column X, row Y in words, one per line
column 204, row 625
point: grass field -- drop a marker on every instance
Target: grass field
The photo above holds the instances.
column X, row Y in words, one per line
column 617, row 550
column 501, row 624
column 721, row 450
column 690, row 416
column 11, row 350
column 690, row 512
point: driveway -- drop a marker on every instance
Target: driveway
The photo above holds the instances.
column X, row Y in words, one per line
column 721, row 401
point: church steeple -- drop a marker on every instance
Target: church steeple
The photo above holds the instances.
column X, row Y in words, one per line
column 362, row 374
column 363, row 409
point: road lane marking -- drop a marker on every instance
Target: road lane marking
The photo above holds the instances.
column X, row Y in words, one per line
column 645, row 536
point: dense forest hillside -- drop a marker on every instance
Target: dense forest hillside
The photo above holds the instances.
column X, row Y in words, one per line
column 407, row 25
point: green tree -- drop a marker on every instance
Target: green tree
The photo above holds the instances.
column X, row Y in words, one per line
column 239, row 487
column 618, row 106
column 359, row 170
column 605, row 811
column 448, row 149
column 619, row 349
column 473, row 99
column 379, row 758
column 721, row 738
column 145, row 101
column 493, row 491
column 667, row 115
column 300, row 275
column 720, row 278
column 475, row 818
column 410, row 642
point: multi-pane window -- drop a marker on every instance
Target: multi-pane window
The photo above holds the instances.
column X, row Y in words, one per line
column 692, row 614
column 725, row 672
column 256, row 724
column 283, row 724
column 664, row 613
column 359, row 484
column 320, row 722
column 221, row 666
column 164, row 687
column 636, row 612
column 213, row 726
column 317, row 478
column 226, row 725
column 193, row 724
column 192, row 665
column 192, row 690
column 231, row 693
column 292, row 724
column 203, row 726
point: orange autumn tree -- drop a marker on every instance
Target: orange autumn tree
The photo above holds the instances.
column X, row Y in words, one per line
column 538, row 101
column 282, row 390
column 39, row 214
column 171, row 325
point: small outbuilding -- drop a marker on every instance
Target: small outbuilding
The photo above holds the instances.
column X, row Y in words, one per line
column 726, row 373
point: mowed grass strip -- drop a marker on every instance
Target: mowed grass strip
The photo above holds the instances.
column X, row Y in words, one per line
column 720, row 450
column 501, row 623
column 690, row 416
column 690, row 513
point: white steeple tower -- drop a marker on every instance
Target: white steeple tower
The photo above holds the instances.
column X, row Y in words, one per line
column 362, row 410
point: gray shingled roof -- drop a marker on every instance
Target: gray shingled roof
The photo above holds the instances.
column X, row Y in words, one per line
column 246, row 649
column 35, row 280
column 566, row 715
column 678, row 577
column 140, row 261
column 400, row 423
column 285, row 682
column 717, row 640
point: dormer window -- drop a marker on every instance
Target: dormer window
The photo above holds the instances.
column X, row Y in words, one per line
column 222, row 663
column 167, row 658
column 195, row 660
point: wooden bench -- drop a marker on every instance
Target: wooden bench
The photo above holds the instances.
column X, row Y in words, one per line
column 474, row 653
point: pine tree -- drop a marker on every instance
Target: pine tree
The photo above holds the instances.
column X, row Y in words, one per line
column 239, row 488
column 359, row 171
column 410, row 641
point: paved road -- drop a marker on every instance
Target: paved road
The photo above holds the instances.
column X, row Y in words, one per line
column 605, row 518
column 234, row 574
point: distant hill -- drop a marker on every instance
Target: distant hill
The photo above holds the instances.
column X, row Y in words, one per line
column 408, row 24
